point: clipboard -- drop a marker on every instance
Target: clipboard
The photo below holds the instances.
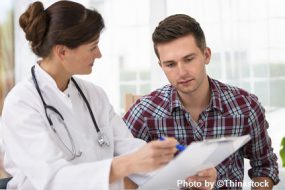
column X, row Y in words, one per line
column 196, row 157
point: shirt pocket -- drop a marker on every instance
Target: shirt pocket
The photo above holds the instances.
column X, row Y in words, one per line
column 223, row 126
column 166, row 127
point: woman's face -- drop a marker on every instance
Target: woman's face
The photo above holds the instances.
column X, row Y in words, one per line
column 81, row 59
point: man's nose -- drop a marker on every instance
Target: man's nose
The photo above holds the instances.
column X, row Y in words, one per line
column 182, row 69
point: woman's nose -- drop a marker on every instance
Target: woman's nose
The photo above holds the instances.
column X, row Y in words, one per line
column 98, row 53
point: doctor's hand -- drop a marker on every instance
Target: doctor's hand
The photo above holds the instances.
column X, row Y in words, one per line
column 204, row 180
column 153, row 155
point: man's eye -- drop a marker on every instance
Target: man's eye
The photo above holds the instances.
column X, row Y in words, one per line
column 170, row 65
column 189, row 60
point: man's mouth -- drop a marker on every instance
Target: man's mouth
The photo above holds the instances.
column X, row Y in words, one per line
column 185, row 81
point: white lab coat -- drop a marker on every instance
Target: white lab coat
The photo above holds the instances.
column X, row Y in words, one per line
column 32, row 155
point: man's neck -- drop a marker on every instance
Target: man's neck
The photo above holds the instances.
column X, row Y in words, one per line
column 196, row 102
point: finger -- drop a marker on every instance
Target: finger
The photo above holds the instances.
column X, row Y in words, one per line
column 207, row 172
column 171, row 139
column 204, row 173
column 199, row 185
column 167, row 143
column 198, row 179
column 165, row 159
column 165, row 153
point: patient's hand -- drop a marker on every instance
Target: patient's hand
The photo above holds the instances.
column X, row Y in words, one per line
column 205, row 179
column 129, row 184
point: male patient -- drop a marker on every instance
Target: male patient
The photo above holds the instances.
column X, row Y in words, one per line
column 195, row 107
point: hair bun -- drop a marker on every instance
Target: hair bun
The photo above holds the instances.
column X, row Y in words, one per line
column 34, row 23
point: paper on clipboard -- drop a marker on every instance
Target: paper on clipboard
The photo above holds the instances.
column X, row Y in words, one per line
column 196, row 157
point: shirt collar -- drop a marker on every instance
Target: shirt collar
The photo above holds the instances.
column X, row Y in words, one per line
column 215, row 101
column 174, row 100
column 46, row 81
column 43, row 78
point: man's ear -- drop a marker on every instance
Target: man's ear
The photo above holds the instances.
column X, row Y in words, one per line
column 59, row 51
column 207, row 54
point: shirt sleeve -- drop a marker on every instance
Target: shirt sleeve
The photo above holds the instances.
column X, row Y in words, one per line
column 32, row 153
column 259, row 150
column 134, row 120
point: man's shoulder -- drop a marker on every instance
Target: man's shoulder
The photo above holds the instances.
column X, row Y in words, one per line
column 156, row 101
column 225, row 89
column 229, row 93
column 158, row 96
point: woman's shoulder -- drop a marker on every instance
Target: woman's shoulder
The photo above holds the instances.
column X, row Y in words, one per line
column 21, row 96
column 22, row 90
column 90, row 88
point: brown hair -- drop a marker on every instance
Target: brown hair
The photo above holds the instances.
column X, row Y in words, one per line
column 177, row 26
column 64, row 22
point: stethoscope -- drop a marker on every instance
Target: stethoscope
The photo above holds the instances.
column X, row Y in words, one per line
column 102, row 139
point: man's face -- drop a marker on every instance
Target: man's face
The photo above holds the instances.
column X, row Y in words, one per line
column 184, row 64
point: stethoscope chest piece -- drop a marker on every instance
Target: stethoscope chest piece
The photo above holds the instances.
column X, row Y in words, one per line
column 102, row 139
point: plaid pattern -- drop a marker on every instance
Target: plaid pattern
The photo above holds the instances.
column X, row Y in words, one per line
column 231, row 112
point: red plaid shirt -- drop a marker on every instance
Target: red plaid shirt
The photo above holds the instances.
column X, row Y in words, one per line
column 231, row 112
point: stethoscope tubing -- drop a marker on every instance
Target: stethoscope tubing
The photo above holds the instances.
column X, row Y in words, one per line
column 46, row 106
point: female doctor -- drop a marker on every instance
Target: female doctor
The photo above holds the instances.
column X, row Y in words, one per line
column 61, row 132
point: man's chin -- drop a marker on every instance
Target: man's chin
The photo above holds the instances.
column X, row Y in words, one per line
column 185, row 90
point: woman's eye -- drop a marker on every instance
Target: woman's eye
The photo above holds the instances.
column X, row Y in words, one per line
column 92, row 49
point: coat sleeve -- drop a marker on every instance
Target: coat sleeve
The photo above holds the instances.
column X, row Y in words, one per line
column 30, row 152
column 124, row 142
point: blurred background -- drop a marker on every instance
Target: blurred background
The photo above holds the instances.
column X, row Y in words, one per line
column 247, row 39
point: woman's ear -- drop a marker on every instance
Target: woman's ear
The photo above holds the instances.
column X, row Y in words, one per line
column 59, row 51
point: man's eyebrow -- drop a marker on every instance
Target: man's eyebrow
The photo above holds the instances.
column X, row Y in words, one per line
column 184, row 57
column 189, row 55
column 168, row 62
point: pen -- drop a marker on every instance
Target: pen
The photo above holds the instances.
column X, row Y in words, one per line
column 179, row 147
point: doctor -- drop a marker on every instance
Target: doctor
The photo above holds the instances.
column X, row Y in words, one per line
column 61, row 132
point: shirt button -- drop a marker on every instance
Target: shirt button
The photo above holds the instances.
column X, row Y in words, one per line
column 68, row 95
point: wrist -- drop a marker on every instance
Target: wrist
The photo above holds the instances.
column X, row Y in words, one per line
column 121, row 167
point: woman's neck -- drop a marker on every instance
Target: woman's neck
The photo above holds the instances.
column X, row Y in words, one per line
column 57, row 72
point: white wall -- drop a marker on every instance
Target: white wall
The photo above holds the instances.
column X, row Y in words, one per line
column 106, row 69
